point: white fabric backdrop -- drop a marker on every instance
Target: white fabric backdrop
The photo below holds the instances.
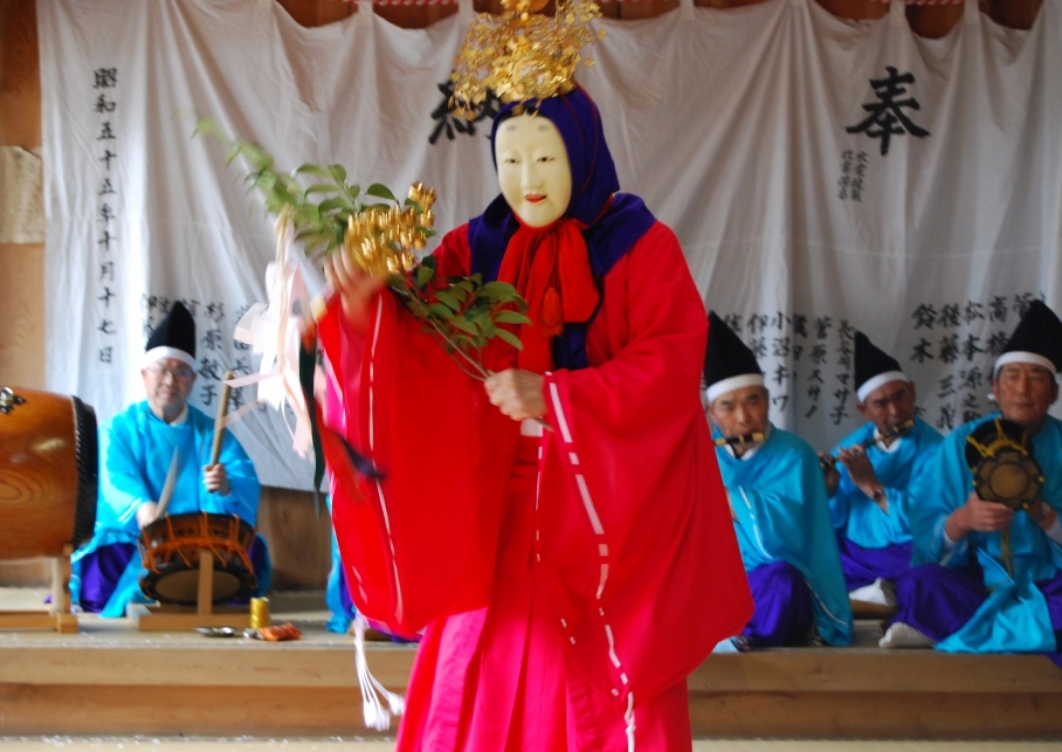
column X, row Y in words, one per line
column 730, row 123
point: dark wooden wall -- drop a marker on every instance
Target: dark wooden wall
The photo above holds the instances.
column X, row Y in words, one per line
column 299, row 538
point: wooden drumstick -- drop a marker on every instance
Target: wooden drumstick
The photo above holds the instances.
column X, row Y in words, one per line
column 168, row 486
column 219, row 425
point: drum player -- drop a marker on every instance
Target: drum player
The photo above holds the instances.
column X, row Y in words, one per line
column 778, row 502
column 989, row 577
column 140, row 448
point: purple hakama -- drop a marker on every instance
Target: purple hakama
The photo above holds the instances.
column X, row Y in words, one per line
column 784, row 614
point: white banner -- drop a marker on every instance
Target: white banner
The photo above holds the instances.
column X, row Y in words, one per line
column 823, row 175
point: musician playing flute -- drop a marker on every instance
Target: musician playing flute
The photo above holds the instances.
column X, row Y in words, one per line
column 778, row 504
column 137, row 449
column 988, row 576
column 870, row 475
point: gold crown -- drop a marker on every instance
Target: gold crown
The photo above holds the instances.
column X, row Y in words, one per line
column 522, row 55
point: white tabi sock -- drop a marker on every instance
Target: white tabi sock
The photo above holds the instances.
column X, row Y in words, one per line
column 901, row 635
column 879, row 591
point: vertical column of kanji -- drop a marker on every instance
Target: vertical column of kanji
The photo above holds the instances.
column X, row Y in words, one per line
column 105, row 286
column 241, row 355
column 818, row 358
column 780, row 374
column 954, row 347
column 842, row 375
column 218, row 353
column 853, row 176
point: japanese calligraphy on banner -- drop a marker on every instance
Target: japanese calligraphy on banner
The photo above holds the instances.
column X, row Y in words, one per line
column 824, row 176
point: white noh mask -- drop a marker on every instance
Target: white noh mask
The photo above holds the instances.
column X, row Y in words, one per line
column 533, row 169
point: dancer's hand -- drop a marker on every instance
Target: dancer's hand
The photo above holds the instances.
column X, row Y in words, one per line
column 517, row 393
column 354, row 286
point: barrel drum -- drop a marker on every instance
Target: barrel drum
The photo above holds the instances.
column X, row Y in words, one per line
column 49, row 471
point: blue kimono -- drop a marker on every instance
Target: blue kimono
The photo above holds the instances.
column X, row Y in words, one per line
column 783, row 524
column 963, row 595
column 875, row 543
column 136, row 449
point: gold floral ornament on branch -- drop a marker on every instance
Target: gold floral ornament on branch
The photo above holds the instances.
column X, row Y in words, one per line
column 383, row 238
column 522, row 55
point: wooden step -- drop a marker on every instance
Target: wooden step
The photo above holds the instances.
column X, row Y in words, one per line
column 111, row 680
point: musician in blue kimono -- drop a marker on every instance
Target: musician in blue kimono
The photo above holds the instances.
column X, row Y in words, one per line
column 778, row 502
column 870, row 475
column 138, row 448
column 989, row 576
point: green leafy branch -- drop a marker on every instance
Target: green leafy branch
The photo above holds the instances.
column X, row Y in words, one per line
column 463, row 313
column 328, row 213
column 321, row 210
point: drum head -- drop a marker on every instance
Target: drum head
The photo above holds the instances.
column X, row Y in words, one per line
column 182, row 587
column 999, row 452
column 1010, row 478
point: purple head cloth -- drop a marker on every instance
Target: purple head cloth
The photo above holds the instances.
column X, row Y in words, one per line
column 615, row 221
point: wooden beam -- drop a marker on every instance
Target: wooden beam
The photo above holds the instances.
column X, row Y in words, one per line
column 882, row 715
column 231, row 663
column 34, row 710
column 20, row 75
column 876, row 671
column 22, row 311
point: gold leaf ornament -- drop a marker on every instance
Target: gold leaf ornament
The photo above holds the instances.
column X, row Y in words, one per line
column 384, row 240
column 522, row 55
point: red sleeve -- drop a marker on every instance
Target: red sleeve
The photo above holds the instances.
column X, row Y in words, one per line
column 420, row 542
column 635, row 520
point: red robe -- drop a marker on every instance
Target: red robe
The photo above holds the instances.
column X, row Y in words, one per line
column 568, row 585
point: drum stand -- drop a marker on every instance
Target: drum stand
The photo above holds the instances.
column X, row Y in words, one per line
column 58, row 616
column 168, row 617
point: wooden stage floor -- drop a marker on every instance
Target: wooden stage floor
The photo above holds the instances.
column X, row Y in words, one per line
column 143, row 744
column 111, row 680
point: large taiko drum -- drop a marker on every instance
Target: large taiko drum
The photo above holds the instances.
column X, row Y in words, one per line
column 170, row 547
column 49, row 467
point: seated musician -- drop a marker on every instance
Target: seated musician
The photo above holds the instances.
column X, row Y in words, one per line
column 870, row 475
column 988, row 577
column 778, row 503
column 137, row 448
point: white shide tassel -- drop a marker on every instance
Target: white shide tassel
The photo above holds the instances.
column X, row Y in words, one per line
column 376, row 715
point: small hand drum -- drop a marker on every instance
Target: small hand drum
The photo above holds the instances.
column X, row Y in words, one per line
column 999, row 454
column 170, row 548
